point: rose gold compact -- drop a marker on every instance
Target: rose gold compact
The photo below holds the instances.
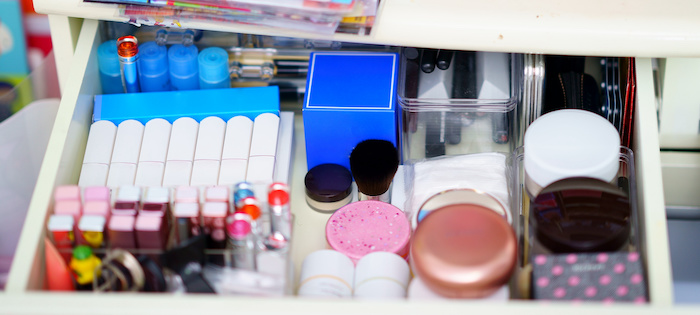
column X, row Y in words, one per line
column 458, row 196
column 464, row 251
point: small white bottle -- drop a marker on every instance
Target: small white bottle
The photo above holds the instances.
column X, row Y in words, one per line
column 326, row 273
column 381, row 275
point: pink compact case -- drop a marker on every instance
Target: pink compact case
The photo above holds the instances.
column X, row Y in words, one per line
column 368, row 226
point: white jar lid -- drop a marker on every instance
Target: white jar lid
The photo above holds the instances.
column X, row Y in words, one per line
column 326, row 264
column 571, row 143
column 381, row 273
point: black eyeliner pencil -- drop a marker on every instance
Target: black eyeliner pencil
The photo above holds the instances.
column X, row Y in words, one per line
column 444, row 59
column 427, row 60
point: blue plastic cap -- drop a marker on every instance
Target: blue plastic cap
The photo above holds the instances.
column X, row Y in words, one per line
column 182, row 60
column 213, row 64
column 153, row 59
column 107, row 58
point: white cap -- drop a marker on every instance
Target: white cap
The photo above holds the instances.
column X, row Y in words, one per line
column 210, row 140
column 381, row 275
column 177, row 173
column 183, row 139
column 121, row 174
column 571, row 143
column 326, row 273
column 100, row 142
column 127, row 145
column 157, row 195
column 154, row 150
column 156, row 137
column 261, row 169
column 233, row 171
column 265, row 132
column 285, row 149
column 186, row 210
column 98, row 154
column 216, row 193
column 205, row 173
column 129, row 193
column 61, row 222
column 207, row 156
column 234, row 158
column 215, row 209
column 186, row 194
column 93, row 174
column 149, row 174
column 239, row 131
column 94, row 223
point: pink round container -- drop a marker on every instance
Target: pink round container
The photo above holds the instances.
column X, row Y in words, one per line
column 362, row 227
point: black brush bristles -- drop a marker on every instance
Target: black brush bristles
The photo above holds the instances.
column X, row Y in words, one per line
column 373, row 164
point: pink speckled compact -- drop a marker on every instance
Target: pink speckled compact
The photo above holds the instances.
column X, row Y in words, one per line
column 362, row 227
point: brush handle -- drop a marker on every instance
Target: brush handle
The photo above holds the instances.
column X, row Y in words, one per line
column 385, row 197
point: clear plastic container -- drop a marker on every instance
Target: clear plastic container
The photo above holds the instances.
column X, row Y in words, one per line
column 530, row 246
column 196, row 258
column 467, row 108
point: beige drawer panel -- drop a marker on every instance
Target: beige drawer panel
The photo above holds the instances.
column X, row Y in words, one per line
column 681, row 174
column 62, row 166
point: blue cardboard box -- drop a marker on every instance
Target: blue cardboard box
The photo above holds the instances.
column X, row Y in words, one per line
column 350, row 97
column 197, row 104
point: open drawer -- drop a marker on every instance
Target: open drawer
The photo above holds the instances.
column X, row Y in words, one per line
column 63, row 162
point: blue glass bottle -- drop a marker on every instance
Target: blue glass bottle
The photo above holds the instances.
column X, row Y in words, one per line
column 213, row 69
column 153, row 68
column 184, row 72
column 108, row 64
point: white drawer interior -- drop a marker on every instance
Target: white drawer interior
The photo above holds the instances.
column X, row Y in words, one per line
column 67, row 144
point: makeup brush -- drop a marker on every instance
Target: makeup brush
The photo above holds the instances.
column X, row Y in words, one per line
column 373, row 164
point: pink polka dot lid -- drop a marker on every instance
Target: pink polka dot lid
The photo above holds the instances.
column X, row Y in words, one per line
column 606, row 277
column 362, row 227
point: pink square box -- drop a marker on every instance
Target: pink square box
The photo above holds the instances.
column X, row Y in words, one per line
column 96, row 193
column 68, row 207
column 96, row 208
column 67, row 192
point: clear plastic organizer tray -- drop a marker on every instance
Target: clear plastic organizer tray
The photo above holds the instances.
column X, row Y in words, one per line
column 626, row 180
column 486, row 79
column 62, row 165
column 467, row 108
column 505, row 183
column 187, row 246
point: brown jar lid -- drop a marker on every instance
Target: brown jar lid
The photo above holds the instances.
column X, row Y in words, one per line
column 464, row 251
column 328, row 183
column 581, row 215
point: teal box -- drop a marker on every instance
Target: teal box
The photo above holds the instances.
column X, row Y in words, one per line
column 197, row 104
column 13, row 47
column 350, row 97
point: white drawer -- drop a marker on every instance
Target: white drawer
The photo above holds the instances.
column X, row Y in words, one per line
column 62, row 166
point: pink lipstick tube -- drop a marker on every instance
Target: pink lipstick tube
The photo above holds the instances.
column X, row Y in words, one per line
column 151, row 232
column 121, row 232
column 214, row 221
column 187, row 223
column 61, row 228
